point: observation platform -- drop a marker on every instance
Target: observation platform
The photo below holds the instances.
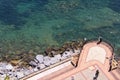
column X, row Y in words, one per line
column 95, row 62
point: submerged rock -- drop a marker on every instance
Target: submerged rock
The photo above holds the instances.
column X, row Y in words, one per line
column 15, row 62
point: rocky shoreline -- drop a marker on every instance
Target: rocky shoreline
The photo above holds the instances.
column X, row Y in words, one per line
column 8, row 71
column 40, row 62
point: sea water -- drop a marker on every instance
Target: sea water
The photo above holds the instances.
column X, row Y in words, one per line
column 31, row 26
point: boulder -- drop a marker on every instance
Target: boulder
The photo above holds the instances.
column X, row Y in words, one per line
column 32, row 63
column 39, row 58
column 19, row 74
column 41, row 65
column 35, row 69
column 53, row 60
column 15, row 62
column 46, row 58
column 58, row 56
column 9, row 67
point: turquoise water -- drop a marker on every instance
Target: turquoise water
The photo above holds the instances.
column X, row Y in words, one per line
column 34, row 25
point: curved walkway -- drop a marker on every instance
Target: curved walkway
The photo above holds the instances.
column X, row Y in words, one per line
column 93, row 62
column 93, row 57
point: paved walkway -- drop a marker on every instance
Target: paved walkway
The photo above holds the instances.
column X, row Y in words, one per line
column 93, row 60
column 47, row 74
column 96, row 53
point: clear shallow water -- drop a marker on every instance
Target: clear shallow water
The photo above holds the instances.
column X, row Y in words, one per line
column 34, row 25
